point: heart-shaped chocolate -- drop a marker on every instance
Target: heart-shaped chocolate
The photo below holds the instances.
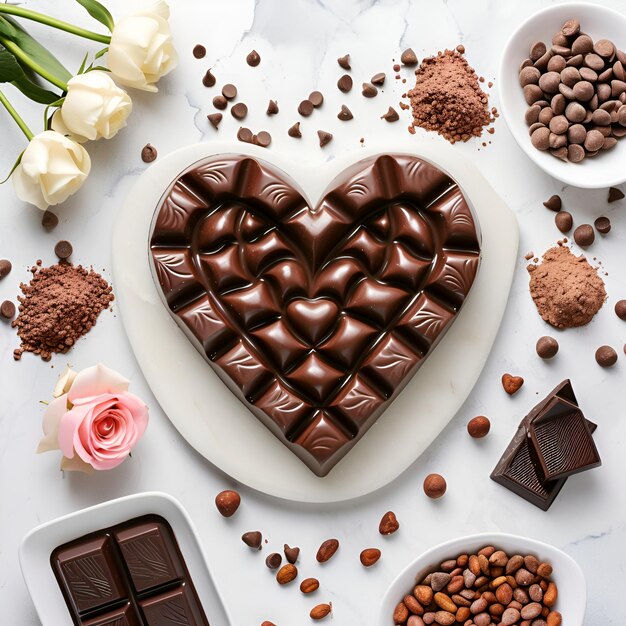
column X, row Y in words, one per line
column 315, row 318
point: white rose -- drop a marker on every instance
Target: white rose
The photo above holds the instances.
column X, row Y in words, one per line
column 53, row 167
column 141, row 49
column 94, row 107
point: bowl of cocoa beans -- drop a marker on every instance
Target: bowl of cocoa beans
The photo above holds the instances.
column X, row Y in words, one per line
column 491, row 579
column 562, row 83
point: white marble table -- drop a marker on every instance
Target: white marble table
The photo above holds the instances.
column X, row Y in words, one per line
column 299, row 41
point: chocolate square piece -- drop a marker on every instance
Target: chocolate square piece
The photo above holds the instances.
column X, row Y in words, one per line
column 124, row 616
column 560, row 442
column 172, row 608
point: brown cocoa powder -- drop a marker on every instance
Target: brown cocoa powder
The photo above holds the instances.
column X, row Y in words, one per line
column 59, row 305
column 447, row 98
column 566, row 289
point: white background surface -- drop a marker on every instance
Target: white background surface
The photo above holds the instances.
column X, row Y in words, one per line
column 299, row 42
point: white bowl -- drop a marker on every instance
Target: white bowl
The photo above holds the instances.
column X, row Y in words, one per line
column 608, row 168
column 38, row 544
column 568, row 576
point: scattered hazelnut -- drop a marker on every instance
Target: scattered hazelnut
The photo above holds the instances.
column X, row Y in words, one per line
column 434, row 486
column 227, row 502
column 478, row 427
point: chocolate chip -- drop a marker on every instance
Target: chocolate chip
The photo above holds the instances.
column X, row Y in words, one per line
column 408, row 57
column 199, row 51
column 604, row 48
column 305, row 108
column 584, row 235
column 553, row 203
column 316, row 98
column 391, row 115
column 571, row 28
column 273, row 560
column 345, row 114
column 5, row 267
column 537, row 50
column 263, row 139
column 208, row 79
column 345, row 83
column 369, row 91
column 615, row 194
column 253, row 59
column 272, row 107
column 325, row 137
column 63, row 250
column 245, row 134
column 344, row 62
column 229, row 91
column 148, row 153
column 564, row 221
column 7, row 310
column 253, row 539
column 49, row 220
column 378, row 79
column 291, row 554
column 603, row 225
column 294, row 131
column 547, row 347
column 215, row 119
column 219, row 102
column 620, row 309
column 239, row 111
column 606, row 356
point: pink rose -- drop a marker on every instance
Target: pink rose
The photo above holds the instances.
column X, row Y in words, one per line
column 93, row 419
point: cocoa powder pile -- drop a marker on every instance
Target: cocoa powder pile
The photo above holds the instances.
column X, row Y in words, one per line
column 567, row 291
column 59, row 305
column 447, row 98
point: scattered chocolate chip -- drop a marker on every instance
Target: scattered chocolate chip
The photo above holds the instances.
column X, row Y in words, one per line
column 325, row 137
column 345, row 114
column 603, row 225
column 253, row 539
column 408, row 57
column 460, row 49
column 344, row 62
column 434, row 485
column 245, row 134
column 291, row 554
column 391, row 115
column 478, row 427
column 7, row 310
column 615, row 194
column 49, row 220
column 219, row 102
column 305, row 108
column 227, row 502
column 199, row 51
column 272, row 107
column 620, row 309
column 584, row 235
column 63, row 250
column 273, row 560
column 378, row 79
column 564, row 221
column 208, row 80
column 5, row 267
column 553, row 203
column 396, row 68
column 606, row 356
column 547, row 347
column 316, row 98
column 253, row 59
column 229, row 91
column 148, row 153
column 239, row 111
column 369, row 91
column 263, row 139
column 345, row 83
column 215, row 119
column 294, row 131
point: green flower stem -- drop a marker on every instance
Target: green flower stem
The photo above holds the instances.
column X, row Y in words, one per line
column 19, row 54
column 55, row 23
column 16, row 116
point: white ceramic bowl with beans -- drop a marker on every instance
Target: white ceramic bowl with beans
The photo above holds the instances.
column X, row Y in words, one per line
column 606, row 169
column 567, row 575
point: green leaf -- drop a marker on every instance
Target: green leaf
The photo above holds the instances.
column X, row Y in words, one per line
column 34, row 91
column 10, row 69
column 17, row 162
column 100, row 68
column 6, row 29
column 37, row 52
column 98, row 12
column 81, row 69
column 101, row 53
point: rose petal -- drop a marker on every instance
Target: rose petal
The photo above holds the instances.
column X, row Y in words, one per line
column 75, row 464
column 50, row 424
column 95, row 381
column 68, row 428
column 65, row 382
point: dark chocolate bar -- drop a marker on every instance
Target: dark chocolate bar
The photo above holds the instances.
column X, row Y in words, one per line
column 315, row 318
column 132, row 574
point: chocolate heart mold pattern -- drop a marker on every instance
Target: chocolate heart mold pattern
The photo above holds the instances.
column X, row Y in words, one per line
column 315, row 318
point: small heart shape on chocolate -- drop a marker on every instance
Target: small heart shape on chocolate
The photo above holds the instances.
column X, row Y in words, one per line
column 315, row 317
column 512, row 384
